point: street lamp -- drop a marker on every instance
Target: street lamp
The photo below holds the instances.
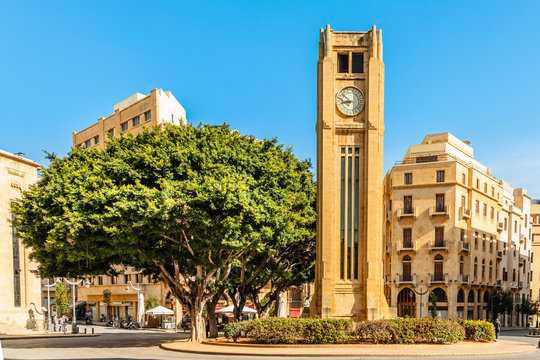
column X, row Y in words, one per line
column 421, row 294
column 49, row 286
column 73, row 284
column 140, row 301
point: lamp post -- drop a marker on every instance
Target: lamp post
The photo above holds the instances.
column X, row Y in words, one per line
column 49, row 286
column 421, row 294
column 74, row 329
column 139, row 291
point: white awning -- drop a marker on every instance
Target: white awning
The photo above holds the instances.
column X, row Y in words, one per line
column 230, row 309
column 160, row 310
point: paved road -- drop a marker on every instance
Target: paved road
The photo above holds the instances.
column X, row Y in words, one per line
column 136, row 345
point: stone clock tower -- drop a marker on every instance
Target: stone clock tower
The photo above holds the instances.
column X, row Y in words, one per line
column 350, row 132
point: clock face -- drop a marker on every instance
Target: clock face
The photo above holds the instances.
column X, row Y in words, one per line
column 350, row 101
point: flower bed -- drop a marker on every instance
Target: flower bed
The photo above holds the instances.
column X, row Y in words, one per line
column 328, row 331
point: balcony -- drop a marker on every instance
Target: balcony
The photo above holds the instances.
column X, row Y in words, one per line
column 406, row 213
column 406, row 246
column 465, row 213
column 520, row 285
column 438, row 245
column 465, row 279
column 439, row 211
column 464, row 246
column 438, row 278
column 500, row 226
column 405, row 279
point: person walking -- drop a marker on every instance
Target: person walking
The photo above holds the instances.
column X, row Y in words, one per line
column 497, row 325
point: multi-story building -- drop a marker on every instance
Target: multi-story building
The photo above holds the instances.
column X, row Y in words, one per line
column 20, row 301
column 535, row 257
column 455, row 234
column 132, row 116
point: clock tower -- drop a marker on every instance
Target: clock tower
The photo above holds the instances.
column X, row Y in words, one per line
column 349, row 279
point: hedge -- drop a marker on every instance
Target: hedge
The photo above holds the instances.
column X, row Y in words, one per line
column 409, row 331
column 291, row 331
column 327, row 331
column 479, row 330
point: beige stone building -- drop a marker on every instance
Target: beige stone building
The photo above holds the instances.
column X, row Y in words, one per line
column 455, row 231
column 20, row 298
column 349, row 280
column 132, row 116
column 535, row 258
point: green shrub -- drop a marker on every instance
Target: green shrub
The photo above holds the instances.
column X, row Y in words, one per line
column 479, row 330
column 410, row 331
column 291, row 331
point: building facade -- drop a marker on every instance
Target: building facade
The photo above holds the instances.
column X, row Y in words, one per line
column 132, row 116
column 455, row 234
column 535, row 258
column 20, row 298
column 349, row 281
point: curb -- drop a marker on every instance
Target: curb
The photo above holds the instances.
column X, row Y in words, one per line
column 326, row 355
column 22, row 337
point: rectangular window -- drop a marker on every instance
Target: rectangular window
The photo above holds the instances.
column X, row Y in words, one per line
column 478, row 183
column 485, row 210
column 477, row 207
column 408, row 178
column 439, row 203
column 96, row 140
column 124, row 126
column 88, row 143
column 464, row 179
column 147, row 115
column 357, row 63
column 100, row 280
column 485, row 187
column 126, row 279
column 110, row 133
column 407, row 238
column 343, row 63
column 439, row 236
column 492, row 214
column 136, row 120
column 440, row 176
column 462, row 236
column 15, row 243
column 407, row 204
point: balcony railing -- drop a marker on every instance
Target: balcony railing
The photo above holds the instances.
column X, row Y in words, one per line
column 465, row 213
column 406, row 246
column 464, row 246
column 464, row 279
column 438, row 278
column 520, row 284
column 406, row 213
column 438, row 245
column 405, row 278
column 500, row 226
column 438, row 211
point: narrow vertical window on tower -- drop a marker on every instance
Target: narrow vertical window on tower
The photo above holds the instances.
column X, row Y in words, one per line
column 343, row 63
column 356, row 208
column 349, row 210
column 342, row 217
column 357, row 63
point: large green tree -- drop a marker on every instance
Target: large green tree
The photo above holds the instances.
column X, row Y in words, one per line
column 185, row 204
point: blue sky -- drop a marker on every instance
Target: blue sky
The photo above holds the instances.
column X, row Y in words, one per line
column 469, row 67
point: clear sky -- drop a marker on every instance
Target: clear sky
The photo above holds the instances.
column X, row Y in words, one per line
column 468, row 67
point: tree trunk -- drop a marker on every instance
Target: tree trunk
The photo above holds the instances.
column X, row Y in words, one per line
column 198, row 324
column 239, row 307
column 212, row 317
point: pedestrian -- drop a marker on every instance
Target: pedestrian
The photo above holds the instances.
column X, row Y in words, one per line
column 497, row 325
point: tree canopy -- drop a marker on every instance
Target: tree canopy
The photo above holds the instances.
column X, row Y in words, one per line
column 183, row 203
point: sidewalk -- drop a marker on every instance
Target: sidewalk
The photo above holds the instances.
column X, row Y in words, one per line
column 222, row 347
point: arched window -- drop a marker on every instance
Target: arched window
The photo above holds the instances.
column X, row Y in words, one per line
column 490, row 270
column 461, row 265
column 439, row 294
column 438, row 268
column 460, row 296
column 406, row 302
column 483, row 268
column 470, row 297
column 406, row 267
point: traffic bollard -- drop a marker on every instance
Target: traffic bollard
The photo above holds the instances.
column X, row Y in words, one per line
column 92, row 331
